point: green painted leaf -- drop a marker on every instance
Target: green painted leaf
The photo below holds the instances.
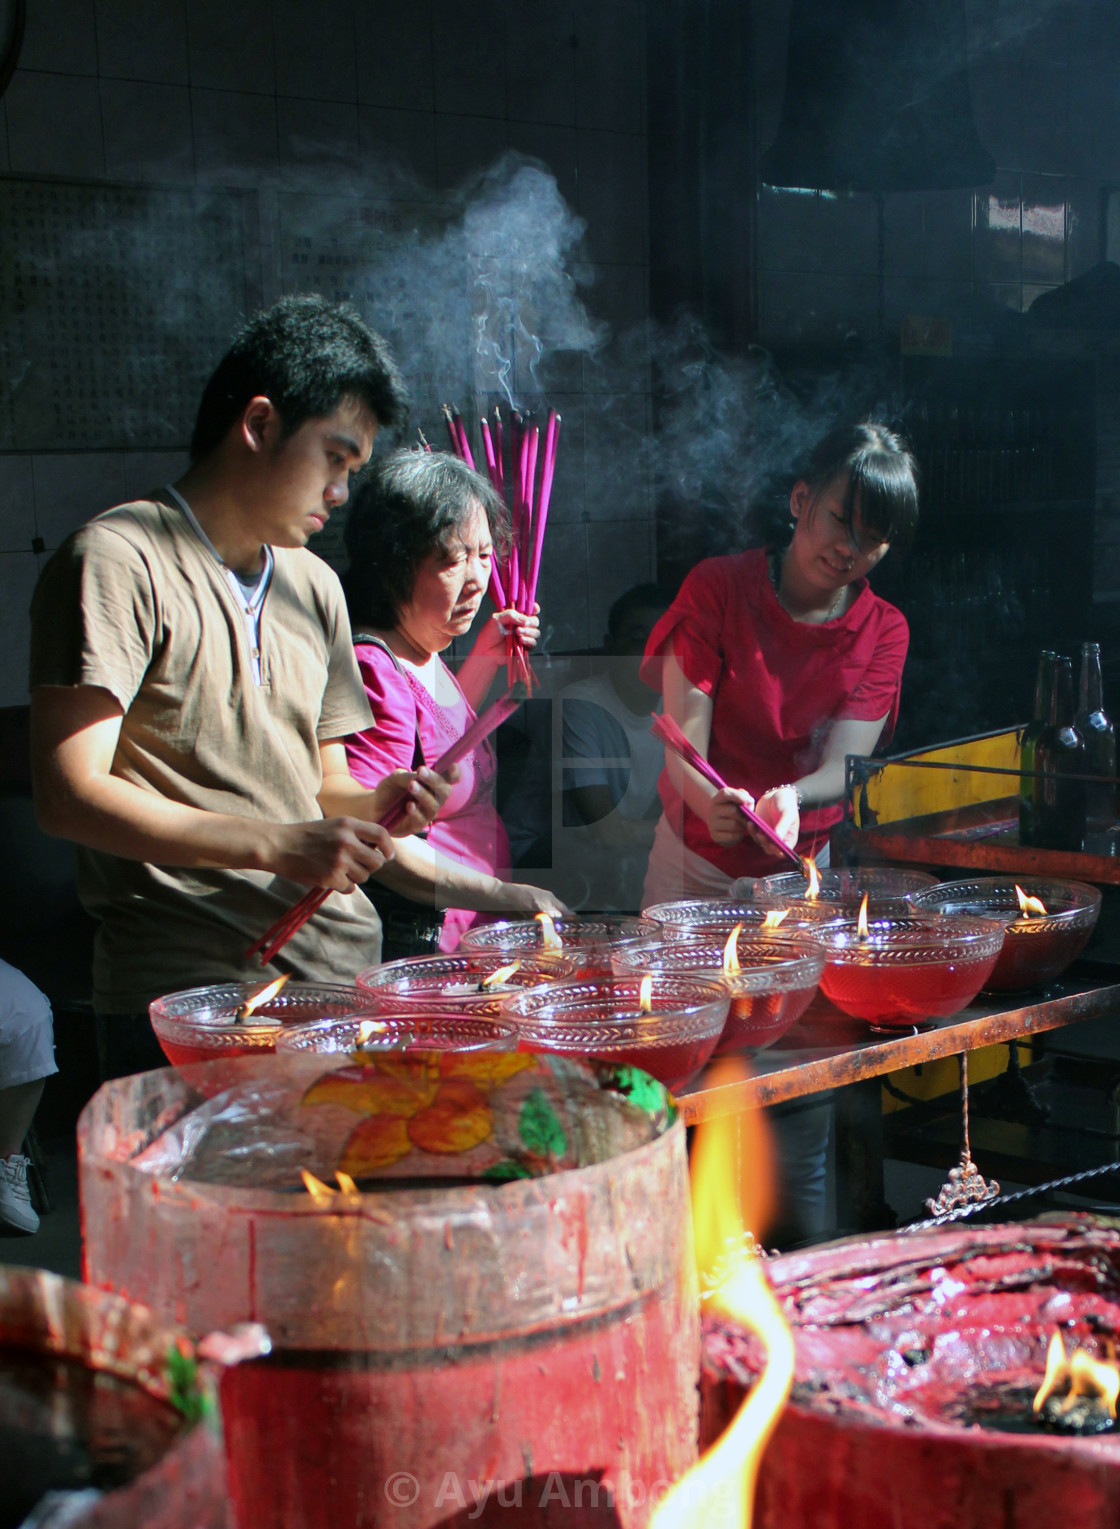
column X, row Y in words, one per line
column 184, row 1392
column 646, row 1092
column 540, row 1128
column 502, row 1173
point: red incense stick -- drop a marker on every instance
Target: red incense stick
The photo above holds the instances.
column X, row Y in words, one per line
column 672, row 737
column 279, row 933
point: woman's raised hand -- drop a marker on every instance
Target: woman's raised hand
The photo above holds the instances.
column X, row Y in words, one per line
column 491, row 640
column 779, row 808
column 528, row 900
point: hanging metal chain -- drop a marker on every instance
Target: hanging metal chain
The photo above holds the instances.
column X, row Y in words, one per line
column 1020, row 1194
column 966, row 1189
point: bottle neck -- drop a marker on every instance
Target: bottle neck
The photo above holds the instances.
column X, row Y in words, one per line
column 1043, row 687
column 1061, row 697
column 1092, row 688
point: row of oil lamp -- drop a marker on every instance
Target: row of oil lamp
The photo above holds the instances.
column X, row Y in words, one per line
column 685, row 981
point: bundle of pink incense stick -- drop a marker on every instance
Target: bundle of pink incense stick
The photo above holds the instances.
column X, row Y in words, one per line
column 671, row 736
column 277, row 935
column 513, row 579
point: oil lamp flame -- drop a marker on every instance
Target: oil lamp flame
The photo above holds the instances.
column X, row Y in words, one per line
column 732, row 1182
column 550, row 940
column 1028, row 905
column 731, row 966
column 262, row 995
column 861, row 922
column 813, row 891
column 774, row 918
column 499, row 976
column 1086, row 1377
column 368, row 1029
column 346, row 1184
column 645, row 994
column 321, row 1193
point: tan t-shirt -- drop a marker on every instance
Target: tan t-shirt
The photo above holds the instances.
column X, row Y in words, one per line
column 135, row 603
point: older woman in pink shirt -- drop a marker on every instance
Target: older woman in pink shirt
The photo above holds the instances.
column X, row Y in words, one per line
column 421, row 539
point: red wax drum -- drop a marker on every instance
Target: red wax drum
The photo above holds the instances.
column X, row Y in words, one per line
column 503, row 1315
column 917, row 1356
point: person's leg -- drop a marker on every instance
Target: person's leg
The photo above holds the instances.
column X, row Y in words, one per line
column 17, row 1110
column 26, row 1059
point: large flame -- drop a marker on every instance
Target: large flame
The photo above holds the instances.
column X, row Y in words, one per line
column 550, row 940
column 1028, row 905
column 645, row 994
column 731, row 966
column 861, row 922
column 732, row 1195
column 499, row 975
column 813, row 890
column 262, row 995
column 1086, row 1377
column 774, row 918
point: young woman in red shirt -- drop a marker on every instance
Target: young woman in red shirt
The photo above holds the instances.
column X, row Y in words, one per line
column 777, row 663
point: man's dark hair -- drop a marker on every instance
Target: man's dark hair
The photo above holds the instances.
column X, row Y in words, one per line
column 306, row 355
column 411, row 506
column 641, row 597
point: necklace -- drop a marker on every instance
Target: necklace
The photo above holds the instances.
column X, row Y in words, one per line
column 774, row 564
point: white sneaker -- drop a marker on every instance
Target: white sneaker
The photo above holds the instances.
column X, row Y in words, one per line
column 15, row 1197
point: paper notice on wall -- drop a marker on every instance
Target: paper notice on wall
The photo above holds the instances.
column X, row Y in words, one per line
column 116, row 303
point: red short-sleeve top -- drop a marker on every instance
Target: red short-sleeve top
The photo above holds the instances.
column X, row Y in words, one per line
column 777, row 686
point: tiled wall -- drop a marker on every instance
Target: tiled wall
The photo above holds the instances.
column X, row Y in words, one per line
column 279, row 95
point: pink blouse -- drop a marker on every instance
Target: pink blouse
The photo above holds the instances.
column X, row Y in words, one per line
column 468, row 830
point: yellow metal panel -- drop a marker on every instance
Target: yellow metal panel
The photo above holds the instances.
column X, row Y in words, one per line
column 903, row 789
column 943, row 1076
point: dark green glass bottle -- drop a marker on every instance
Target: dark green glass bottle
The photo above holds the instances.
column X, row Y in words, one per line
column 1028, row 783
column 1100, row 747
column 1060, row 755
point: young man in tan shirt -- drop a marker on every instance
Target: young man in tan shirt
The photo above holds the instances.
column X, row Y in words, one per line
column 193, row 678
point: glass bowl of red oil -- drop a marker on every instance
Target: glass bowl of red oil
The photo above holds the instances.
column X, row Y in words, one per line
column 693, row 916
column 905, row 970
column 1042, row 938
column 842, row 889
column 585, row 941
column 606, row 1018
column 373, row 1034
column 200, row 1024
column 465, row 981
column 774, row 984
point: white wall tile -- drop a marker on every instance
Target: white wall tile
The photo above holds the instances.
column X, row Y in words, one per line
column 467, row 145
column 139, row 40
column 394, row 54
column 619, row 555
column 317, row 139
column 17, row 504
column 3, row 136
column 315, row 50
column 147, row 130
column 235, row 140
column 18, row 573
column 60, row 37
column 540, row 63
column 73, row 486
column 610, row 65
column 616, row 435
column 230, row 45
column 613, row 180
column 398, row 139
column 563, row 588
column 143, row 471
column 54, row 125
column 470, row 57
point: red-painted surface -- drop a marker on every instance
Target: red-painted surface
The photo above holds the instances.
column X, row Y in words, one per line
column 536, row 1432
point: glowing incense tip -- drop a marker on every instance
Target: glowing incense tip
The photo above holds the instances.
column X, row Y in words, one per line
column 813, row 891
column 496, row 978
column 321, row 1193
column 645, row 994
column 262, row 995
column 861, row 922
column 731, row 966
column 1028, row 905
column 774, row 918
column 550, row 940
